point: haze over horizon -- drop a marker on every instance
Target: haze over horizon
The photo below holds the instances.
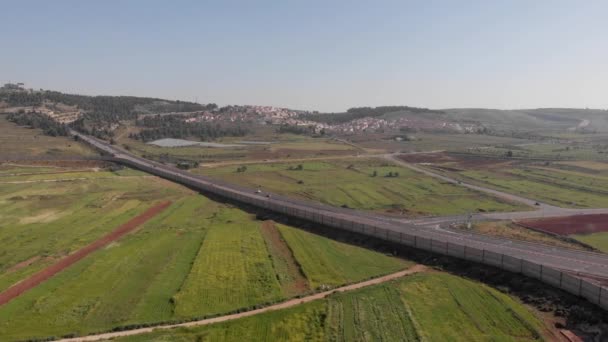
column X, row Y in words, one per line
column 314, row 55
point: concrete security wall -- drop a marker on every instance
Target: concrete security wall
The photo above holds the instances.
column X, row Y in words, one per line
column 492, row 258
column 549, row 275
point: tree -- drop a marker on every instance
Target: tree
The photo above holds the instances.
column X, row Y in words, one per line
column 509, row 153
column 375, row 173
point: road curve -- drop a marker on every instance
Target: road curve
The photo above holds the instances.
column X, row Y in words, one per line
column 572, row 261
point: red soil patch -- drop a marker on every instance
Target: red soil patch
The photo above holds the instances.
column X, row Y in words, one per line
column 579, row 224
column 69, row 260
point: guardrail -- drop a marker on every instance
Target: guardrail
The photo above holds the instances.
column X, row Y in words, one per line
column 370, row 226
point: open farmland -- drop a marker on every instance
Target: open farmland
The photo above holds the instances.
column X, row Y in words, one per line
column 564, row 185
column 45, row 217
column 17, row 141
column 426, row 306
column 274, row 146
column 590, row 229
column 223, row 261
column 352, row 183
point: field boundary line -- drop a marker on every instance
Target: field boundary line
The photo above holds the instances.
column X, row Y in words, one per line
column 48, row 272
column 283, row 305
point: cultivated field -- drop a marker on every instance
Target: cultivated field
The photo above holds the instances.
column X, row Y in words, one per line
column 573, row 185
column 195, row 258
column 427, row 306
column 18, row 141
column 352, row 183
column 45, row 217
column 590, row 229
column 275, row 146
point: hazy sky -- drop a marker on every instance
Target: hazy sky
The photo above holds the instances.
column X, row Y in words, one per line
column 324, row 55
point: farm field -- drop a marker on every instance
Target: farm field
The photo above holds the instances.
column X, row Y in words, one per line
column 276, row 146
column 44, row 219
column 589, row 229
column 546, row 150
column 352, row 183
column 425, row 306
column 431, row 142
column 572, row 185
column 222, row 262
column 17, row 141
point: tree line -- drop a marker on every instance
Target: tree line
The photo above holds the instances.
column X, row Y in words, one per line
column 174, row 126
column 40, row 121
column 362, row 112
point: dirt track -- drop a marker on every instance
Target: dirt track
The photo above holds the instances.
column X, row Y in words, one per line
column 42, row 275
column 284, row 305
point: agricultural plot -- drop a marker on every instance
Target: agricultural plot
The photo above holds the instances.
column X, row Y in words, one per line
column 589, row 229
column 551, row 186
column 573, row 185
column 274, row 146
column 363, row 184
column 197, row 257
column 328, row 263
column 44, row 219
column 18, row 141
column 428, row 306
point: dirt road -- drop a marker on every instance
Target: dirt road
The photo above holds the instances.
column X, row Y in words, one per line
column 43, row 275
column 280, row 306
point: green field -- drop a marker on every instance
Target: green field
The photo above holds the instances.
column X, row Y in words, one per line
column 280, row 146
column 421, row 307
column 16, row 141
column 43, row 220
column 195, row 258
column 558, row 187
column 351, row 183
column 597, row 240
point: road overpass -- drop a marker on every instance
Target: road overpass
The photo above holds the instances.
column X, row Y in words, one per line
column 571, row 270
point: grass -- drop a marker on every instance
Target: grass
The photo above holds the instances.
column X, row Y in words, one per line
column 233, row 269
column 44, row 221
column 597, row 240
column 18, row 142
column 328, row 263
column 510, row 230
column 282, row 146
column 350, row 183
column 428, row 306
column 195, row 258
column 554, row 187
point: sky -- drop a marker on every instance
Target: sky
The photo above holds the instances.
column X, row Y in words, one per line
column 314, row 55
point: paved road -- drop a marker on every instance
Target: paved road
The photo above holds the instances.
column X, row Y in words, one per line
column 595, row 264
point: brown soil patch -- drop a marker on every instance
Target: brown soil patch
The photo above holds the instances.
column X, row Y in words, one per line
column 69, row 260
column 297, row 282
column 579, row 224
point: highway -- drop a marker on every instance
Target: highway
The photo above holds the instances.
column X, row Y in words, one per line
column 568, row 260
